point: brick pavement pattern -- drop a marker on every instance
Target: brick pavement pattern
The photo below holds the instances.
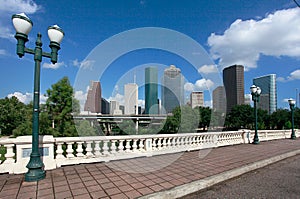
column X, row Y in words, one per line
column 138, row 177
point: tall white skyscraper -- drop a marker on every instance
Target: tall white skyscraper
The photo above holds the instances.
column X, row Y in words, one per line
column 131, row 98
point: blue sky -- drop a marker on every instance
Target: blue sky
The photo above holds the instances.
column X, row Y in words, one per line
column 262, row 35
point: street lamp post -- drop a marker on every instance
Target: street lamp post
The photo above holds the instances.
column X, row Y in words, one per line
column 255, row 92
column 23, row 25
column 292, row 103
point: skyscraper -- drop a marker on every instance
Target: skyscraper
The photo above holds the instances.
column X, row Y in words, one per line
column 219, row 99
column 268, row 96
column 93, row 101
column 131, row 98
column 151, row 90
column 197, row 99
column 172, row 93
column 233, row 77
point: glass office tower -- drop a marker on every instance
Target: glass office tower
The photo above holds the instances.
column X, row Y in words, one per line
column 172, row 92
column 268, row 97
column 151, row 91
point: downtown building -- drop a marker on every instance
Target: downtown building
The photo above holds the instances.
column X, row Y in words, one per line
column 233, row 78
column 172, row 89
column 151, row 91
column 268, row 96
column 131, row 99
column 197, row 99
column 93, row 101
column 219, row 99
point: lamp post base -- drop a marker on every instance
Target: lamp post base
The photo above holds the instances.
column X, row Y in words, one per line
column 293, row 137
column 255, row 140
column 35, row 169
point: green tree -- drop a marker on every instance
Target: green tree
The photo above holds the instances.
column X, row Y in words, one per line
column 263, row 119
column 279, row 119
column 84, row 128
column 60, row 105
column 204, row 117
column 240, row 116
column 11, row 115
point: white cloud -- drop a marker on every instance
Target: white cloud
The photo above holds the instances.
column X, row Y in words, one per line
column 206, row 69
column 118, row 97
column 27, row 97
column 81, row 97
column 295, row 75
column 53, row 66
column 27, row 6
column 141, row 103
column 9, row 7
column 200, row 85
column 189, row 87
column 85, row 64
column 204, row 84
column 242, row 43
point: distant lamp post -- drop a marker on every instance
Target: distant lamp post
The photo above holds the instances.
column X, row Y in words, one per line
column 23, row 25
column 255, row 92
column 292, row 103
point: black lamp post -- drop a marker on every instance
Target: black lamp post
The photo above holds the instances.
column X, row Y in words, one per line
column 23, row 26
column 255, row 92
column 292, row 103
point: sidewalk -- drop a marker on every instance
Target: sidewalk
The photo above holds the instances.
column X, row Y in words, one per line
column 165, row 176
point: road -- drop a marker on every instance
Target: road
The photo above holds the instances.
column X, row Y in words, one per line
column 278, row 180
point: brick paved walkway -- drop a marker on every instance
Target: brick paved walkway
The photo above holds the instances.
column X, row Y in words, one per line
column 141, row 176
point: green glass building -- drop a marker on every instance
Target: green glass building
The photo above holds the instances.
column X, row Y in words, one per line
column 268, row 96
column 151, row 91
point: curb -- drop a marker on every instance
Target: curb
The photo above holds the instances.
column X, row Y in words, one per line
column 198, row 185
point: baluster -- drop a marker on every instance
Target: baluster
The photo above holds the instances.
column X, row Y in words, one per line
column 174, row 142
column 113, row 147
column 141, row 145
column 120, row 148
column 164, row 143
column 183, row 140
column 169, row 143
column 97, row 148
column 154, row 144
column 79, row 149
column 105, row 147
column 134, row 145
column 9, row 153
column 89, row 149
column 159, row 144
column 59, row 151
column 70, row 150
column 128, row 145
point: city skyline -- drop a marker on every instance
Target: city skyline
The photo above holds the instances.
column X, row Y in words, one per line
column 229, row 37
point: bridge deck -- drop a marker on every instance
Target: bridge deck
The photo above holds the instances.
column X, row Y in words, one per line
column 174, row 175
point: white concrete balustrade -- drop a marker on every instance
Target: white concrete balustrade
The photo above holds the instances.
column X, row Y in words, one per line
column 59, row 151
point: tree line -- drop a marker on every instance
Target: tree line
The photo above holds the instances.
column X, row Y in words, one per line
column 56, row 118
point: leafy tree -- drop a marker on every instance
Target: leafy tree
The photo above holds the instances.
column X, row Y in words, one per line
column 240, row 116
column 204, row 117
column 11, row 115
column 59, row 107
column 84, row 128
column 297, row 118
column 279, row 119
column 263, row 119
